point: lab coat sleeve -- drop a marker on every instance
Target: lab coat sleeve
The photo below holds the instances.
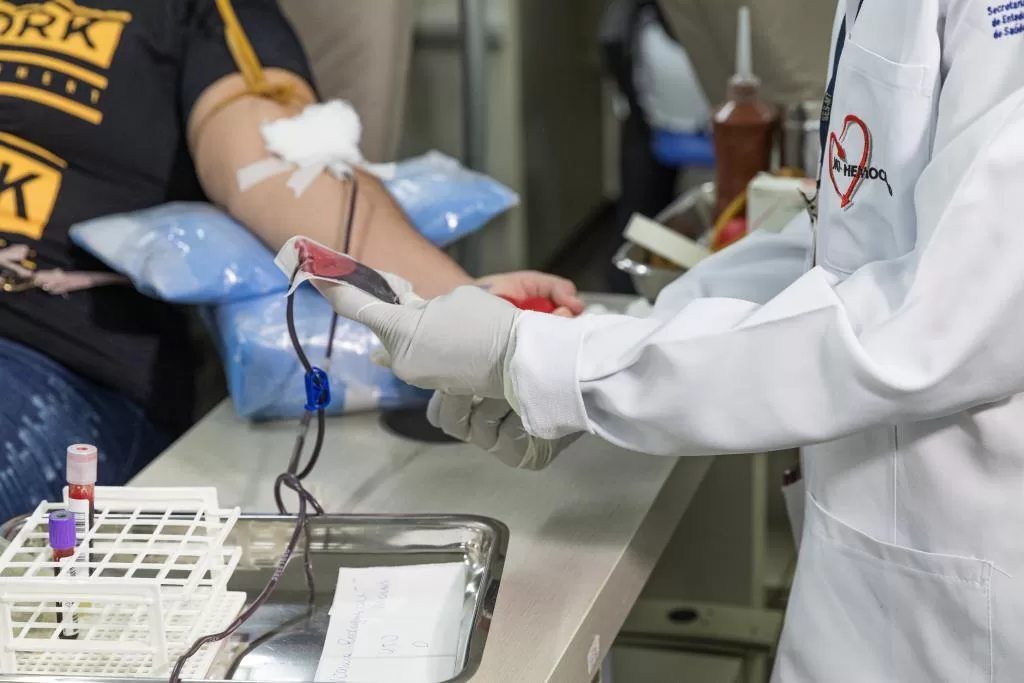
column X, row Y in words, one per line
column 932, row 333
column 754, row 269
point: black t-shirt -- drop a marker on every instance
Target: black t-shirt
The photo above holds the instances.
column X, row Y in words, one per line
column 94, row 98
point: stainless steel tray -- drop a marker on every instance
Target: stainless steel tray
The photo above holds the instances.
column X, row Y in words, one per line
column 691, row 214
column 282, row 642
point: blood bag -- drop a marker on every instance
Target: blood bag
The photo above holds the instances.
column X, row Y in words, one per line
column 303, row 259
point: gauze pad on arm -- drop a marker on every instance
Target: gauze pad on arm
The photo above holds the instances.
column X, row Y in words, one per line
column 322, row 137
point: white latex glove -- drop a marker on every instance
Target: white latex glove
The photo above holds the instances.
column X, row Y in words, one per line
column 456, row 343
column 492, row 425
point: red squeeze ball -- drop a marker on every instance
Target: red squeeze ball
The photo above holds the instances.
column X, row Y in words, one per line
column 537, row 303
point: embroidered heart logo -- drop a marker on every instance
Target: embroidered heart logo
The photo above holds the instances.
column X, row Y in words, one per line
column 837, row 151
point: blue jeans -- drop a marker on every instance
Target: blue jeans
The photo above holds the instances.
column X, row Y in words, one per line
column 44, row 409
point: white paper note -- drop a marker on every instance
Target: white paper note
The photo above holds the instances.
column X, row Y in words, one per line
column 394, row 624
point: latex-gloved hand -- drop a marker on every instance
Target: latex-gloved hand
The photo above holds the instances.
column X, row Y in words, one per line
column 492, row 425
column 456, row 343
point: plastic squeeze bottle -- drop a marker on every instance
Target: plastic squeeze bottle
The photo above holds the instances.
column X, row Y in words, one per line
column 742, row 127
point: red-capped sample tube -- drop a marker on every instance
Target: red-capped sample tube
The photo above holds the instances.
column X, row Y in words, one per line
column 82, row 465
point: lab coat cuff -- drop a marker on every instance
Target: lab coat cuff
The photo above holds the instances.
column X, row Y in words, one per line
column 542, row 375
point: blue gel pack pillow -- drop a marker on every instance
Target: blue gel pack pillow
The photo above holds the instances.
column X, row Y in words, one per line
column 446, row 201
column 266, row 380
column 194, row 253
column 186, row 253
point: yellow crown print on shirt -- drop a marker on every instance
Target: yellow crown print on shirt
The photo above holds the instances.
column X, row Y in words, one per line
column 30, row 178
column 43, row 47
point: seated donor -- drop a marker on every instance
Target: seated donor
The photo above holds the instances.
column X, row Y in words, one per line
column 117, row 105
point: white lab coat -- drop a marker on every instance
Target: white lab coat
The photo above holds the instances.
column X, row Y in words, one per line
column 896, row 359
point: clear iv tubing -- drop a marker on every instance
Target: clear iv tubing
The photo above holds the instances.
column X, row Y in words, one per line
column 290, row 479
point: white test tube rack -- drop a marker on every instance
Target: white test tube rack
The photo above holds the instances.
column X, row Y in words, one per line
column 156, row 579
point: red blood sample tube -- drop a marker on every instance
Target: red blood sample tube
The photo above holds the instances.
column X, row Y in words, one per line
column 82, row 464
column 61, row 530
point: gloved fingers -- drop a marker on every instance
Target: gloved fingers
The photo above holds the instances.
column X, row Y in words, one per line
column 492, row 425
column 513, row 445
column 485, row 420
column 434, row 409
column 479, row 422
column 468, row 418
column 403, row 288
column 517, row 448
column 350, row 302
column 450, row 414
column 394, row 325
column 539, row 453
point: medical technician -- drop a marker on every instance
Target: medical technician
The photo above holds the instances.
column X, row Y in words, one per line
column 895, row 356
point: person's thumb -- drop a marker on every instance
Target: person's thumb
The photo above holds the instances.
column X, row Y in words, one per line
column 353, row 303
column 403, row 288
column 391, row 323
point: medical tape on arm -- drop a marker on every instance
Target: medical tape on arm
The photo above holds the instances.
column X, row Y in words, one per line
column 295, row 142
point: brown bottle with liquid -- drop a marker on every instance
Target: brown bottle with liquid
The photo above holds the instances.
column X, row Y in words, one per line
column 743, row 127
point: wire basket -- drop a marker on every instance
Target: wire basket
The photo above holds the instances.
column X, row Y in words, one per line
column 150, row 578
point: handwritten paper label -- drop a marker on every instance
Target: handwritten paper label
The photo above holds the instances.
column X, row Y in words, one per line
column 394, row 623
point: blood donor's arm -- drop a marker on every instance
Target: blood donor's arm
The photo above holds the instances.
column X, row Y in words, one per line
column 226, row 137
